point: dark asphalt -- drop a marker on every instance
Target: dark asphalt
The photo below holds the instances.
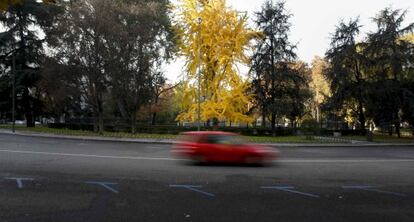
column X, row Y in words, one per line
column 145, row 183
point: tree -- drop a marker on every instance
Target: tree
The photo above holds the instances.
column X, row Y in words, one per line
column 21, row 41
column 319, row 85
column 143, row 39
column 214, row 38
column 165, row 104
column 113, row 49
column 76, row 41
column 409, row 37
column 297, row 93
column 346, row 71
column 5, row 4
column 391, row 59
column 60, row 92
column 270, row 61
column 160, row 97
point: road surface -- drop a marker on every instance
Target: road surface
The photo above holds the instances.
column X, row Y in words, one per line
column 62, row 180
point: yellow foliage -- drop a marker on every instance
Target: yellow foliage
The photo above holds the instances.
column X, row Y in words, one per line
column 213, row 38
column 409, row 37
column 4, row 4
column 319, row 85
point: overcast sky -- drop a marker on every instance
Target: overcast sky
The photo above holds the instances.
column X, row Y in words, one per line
column 314, row 20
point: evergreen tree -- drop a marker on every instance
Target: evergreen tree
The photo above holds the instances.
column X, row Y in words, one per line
column 390, row 69
column 21, row 41
column 271, row 60
column 346, row 71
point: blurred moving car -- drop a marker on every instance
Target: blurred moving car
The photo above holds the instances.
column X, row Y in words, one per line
column 222, row 147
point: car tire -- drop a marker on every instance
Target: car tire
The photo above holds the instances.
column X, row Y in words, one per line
column 253, row 161
column 199, row 160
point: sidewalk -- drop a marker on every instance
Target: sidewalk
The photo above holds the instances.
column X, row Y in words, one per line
column 171, row 141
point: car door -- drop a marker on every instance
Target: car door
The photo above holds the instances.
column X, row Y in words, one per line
column 225, row 148
column 207, row 148
column 213, row 148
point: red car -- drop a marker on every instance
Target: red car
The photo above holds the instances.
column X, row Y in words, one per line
column 223, row 147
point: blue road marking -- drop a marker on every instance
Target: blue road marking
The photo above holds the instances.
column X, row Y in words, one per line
column 291, row 190
column 106, row 185
column 194, row 188
column 356, row 187
column 19, row 181
column 374, row 189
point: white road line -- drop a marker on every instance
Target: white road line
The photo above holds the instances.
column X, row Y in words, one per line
column 87, row 155
column 176, row 159
column 344, row 160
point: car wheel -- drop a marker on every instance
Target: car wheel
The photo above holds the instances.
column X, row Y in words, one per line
column 253, row 161
column 199, row 159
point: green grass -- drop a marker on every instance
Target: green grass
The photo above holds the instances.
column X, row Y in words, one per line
column 68, row 132
column 255, row 139
column 285, row 139
column 380, row 138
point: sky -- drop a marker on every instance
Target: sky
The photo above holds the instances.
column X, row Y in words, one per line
column 312, row 23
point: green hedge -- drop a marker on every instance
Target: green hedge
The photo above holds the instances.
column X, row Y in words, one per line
column 171, row 129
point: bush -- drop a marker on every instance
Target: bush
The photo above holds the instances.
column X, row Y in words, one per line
column 308, row 128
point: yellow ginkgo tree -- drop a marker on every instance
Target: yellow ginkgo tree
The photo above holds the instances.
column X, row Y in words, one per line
column 214, row 39
column 319, row 85
column 409, row 37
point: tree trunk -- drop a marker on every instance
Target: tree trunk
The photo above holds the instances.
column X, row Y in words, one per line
column 28, row 109
column 95, row 122
column 318, row 119
column 263, row 118
column 101, row 122
column 397, row 124
column 397, row 129
column 273, row 124
column 390, row 129
column 361, row 116
column 99, row 127
column 154, row 116
column 133, row 125
column 215, row 124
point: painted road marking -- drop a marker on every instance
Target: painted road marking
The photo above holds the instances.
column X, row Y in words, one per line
column 343, row 160
column 176, row 159
column 106, row 185
column 19, row 181
column 291, row 190
column 89, row 155
column 194, row 188
column 373, row 189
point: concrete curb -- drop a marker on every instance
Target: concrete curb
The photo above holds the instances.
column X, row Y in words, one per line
column 170, row 141
column 88, row 138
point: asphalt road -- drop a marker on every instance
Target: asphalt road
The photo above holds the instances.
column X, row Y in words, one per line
column 73, row 180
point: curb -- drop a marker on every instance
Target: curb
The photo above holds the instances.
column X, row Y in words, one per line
column 88, row 138
column 169, row 141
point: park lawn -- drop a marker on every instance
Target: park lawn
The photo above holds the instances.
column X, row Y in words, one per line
column 380, row 138
column 285, row 139
column 69, row 132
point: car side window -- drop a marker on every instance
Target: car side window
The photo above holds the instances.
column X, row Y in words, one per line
column 216, row 139
column 212, row 139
